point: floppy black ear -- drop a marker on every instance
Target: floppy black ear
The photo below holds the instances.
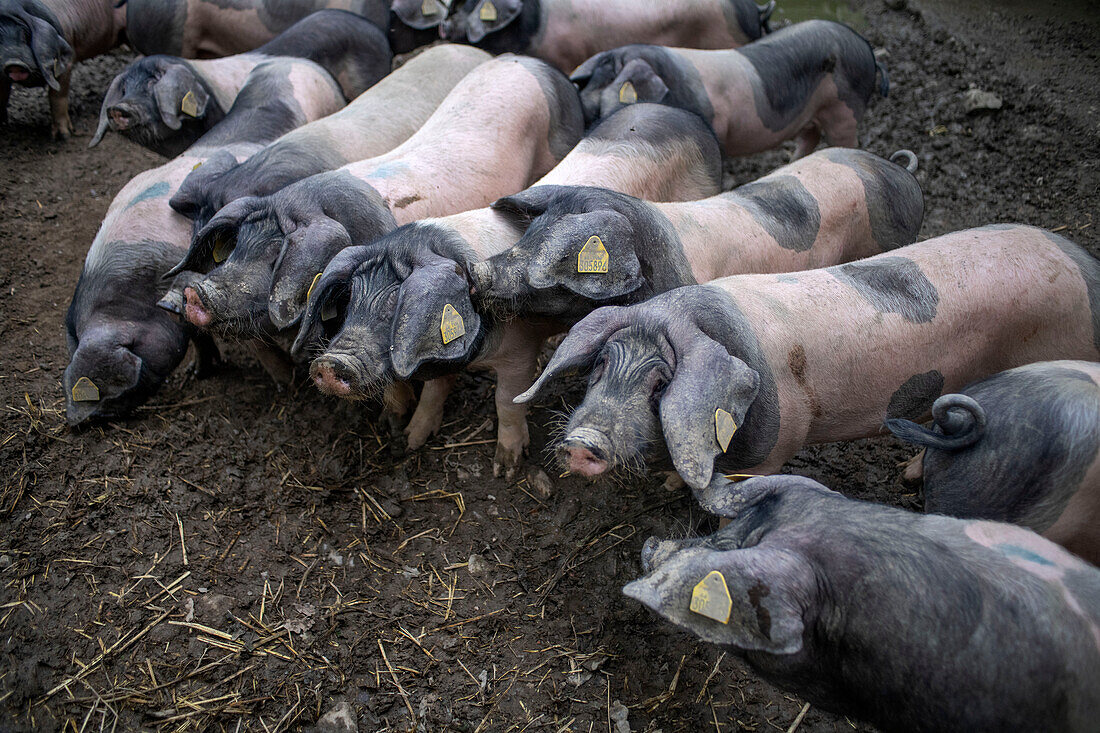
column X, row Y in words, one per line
column 590, row 254
column 52, row 53
column 704, row 404
column 637, row 82
column 580, row 346
column 420, row 14
column 435, row 321
column 305, row 252
column 113, row 96
column 528, row 204
column 178, row 93
column 584, row 72
column 218, row 236
column 326, row 288
column 191, row 196
column 489, row 16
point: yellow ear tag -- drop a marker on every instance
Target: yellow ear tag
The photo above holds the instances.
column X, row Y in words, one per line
column 736, row 478
column 428, row 8
column 711, row 598
column 627, row 94
column 189, row 105
column 593, row 257
column 85, row 391
column 451, row 326
column 222, row 248
column 488, row 12
column 312, row 285
column 724, row 428
column 195, row 167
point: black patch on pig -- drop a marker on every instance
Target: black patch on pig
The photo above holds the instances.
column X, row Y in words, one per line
column 516, row 37
column 1042, row 434
column 786, row 210
column 793, row 61
column 282, row 17
column 156, row 26
column 895, row 202
column 757, row 593
column 685, row 87
column 566, row 118
column 1089, row 268
column 743, row 16
column 892, row 285
column 915, row 396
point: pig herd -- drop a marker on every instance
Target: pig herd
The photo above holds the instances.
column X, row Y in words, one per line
column 394, row 227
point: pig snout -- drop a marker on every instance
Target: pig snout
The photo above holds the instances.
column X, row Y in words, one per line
column 16, row 71
column 450, row 30
column 194, row 310
column 122, row 116
column 583, row 451
column 332, row 375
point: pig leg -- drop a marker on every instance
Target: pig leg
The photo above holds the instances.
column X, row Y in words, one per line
column 276, row 362
column 396, row 398
column 807, row 141
column 207, row 357
column 515, row 374
column 428, row 416
column 62, row 126
column 5, row 92
column 913, row 469
column 840, row 125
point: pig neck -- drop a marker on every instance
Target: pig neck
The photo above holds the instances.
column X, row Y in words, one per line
column 485, row 231
column 91, row 27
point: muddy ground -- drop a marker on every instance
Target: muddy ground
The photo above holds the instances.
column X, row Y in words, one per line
column 235, row 558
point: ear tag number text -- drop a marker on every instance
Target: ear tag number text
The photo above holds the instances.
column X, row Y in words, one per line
column 711, row 598
column 451, row 326
column 85, row 391
column 593, row 257
column 724, row 428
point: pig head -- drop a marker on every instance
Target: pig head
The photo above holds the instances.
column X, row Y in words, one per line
column 583, row 247
column 161, row 103
column 397, row 309
column 33, row 48
column 678, row 370
column 260, row 255
column 498, row 26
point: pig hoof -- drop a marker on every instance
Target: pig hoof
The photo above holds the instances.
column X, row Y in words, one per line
column 913, row 469
column 417, row 436
column 507, row 462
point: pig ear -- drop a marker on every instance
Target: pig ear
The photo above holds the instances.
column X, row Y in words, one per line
column 584, row 72
column 326, row 288
column 704, row 404
column 753, row 599
column 222, row 228
column 580, row 346
column 52, row 53
column 113, row 96
column 178, row 93
column 489, row 16
column 420, row 14
column 591, row 255
column 528, row 204
column 305, row 252
column 435, row 321
column 191, row 196
column 638, row 82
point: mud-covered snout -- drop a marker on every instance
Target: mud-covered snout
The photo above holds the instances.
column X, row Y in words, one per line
column 344, row 374
column 124, row 115
column 585, row 451
column 231, row 300
column 18, row 71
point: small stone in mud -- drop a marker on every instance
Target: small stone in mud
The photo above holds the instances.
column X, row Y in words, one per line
column 5, row 562
column 477, row 565
column 540, row 482
column 976, row 100
column 339, row 719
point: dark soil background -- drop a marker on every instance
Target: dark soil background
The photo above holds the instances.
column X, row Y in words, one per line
column 235, row 558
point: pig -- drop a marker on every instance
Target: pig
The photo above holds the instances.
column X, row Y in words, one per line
column 166, row 103
column 566, row 32
column 807, row 80
column 830, row 207
column 40, row 40
column 375, row 122
column 506, row 123
column 911, row 622
column 204, row 29
column 121, row 346
column 798, row 217
column 738, row 374
column 412, row 274
column 1021, row 447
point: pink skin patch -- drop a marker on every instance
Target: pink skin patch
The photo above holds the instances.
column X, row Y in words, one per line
column 583, row 461
column 195, row 311
column 324, row 376
column 17, row 74
column 121, row 120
